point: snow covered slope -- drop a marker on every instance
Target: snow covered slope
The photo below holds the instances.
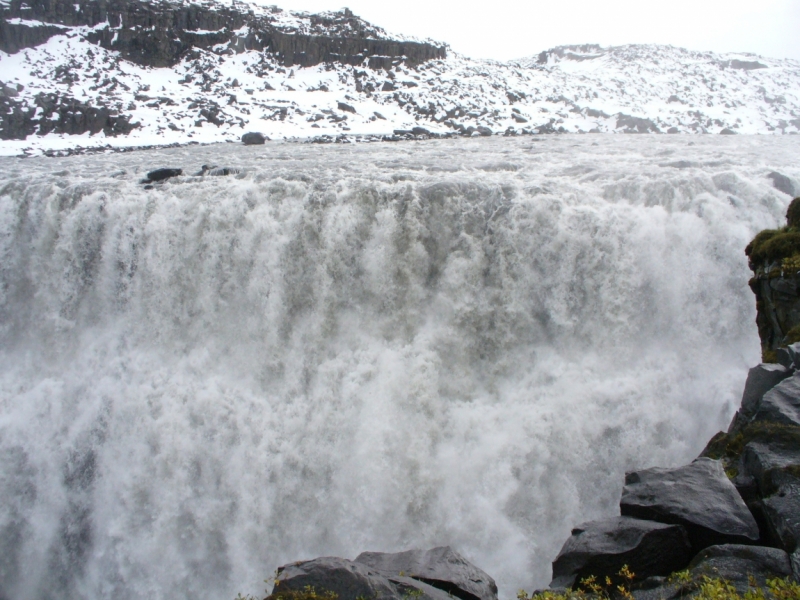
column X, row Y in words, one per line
column 76, row 89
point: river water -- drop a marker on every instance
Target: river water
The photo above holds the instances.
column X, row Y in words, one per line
column 360, row 347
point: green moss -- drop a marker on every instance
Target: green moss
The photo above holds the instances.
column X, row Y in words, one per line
column 793, row 335
column 769, row 356
column 774, row 244
column 793, row 213
column 730, row 446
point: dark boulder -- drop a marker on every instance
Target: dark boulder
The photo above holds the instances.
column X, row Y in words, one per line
column 771, row 463
column 740, row 564
column 602, row 548
column 782, row 513
column 214, row 171
column 253, row 138
column 782, row 183
column 161, row 175
column 348, row 579
column 441, row 567
column 782, row 403
column 760, row 379
column 420, row 131
column 345, row 107
column 698, row 496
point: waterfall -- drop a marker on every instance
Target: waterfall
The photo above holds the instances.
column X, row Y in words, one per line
column 360, row 347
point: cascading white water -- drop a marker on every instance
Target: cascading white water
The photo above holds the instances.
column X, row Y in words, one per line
column 352, row 348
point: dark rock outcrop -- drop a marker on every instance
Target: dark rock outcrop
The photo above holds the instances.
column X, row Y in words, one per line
column 760, row 379
column 781, row 404
column 253, row 138
column 161, row 174
column 698, row 496
column 441, row 567
column 436, row 574
column 347, row 579
column 160, row 34
column 602, row 548
column 51, row 113
column 737, row 564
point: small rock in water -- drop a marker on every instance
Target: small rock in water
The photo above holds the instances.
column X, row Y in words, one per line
column 253, row 138
column 161, row 175
column 214, row 171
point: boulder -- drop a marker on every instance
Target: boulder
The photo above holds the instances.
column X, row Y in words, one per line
column 782, row 183
column 782, row 403
column 253, row 138
column 345, row 107
column 760, row 379
column 698, row 496
column 733, row 562
column 738, row 564
column 214, row 171
column 771, row 463
column 162, row 174
column 602, row 548
column 347, row 579
column 441, row 567
column 782, row 513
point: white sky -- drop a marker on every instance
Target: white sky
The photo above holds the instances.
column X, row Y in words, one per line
column 506, row 29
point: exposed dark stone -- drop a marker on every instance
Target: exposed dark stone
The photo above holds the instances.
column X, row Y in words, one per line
column 727, row 131
column 162, row 174
column 214, row 171
column 160, row 34
column 602, row 548
column 58, row 114
column 348, row 579
column 441, row 567
column 636, row 124
column 782, row 183
column 760, row 379
column 420, row 131
column 782, row 514
column 738, row 564
column 698, row 496
column 771, row 464
column 781, row 404
column 345, row 107
column 253, row 138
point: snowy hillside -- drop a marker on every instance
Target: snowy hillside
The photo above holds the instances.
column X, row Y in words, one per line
column 76, row 89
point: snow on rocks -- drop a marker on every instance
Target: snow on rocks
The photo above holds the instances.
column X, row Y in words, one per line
column 217, row 92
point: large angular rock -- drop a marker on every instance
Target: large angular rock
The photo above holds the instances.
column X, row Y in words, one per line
column 253, row 138
column 782, row 403
column 782, row 513
column 761, row 379
column 771, row 463
column 733, row 562
column 602, row 548
column 740, row 564
column 347, row 579
column 698, row 496
column 441, row 567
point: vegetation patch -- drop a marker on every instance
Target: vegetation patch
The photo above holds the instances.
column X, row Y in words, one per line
column 772, row 245
column 729, row 446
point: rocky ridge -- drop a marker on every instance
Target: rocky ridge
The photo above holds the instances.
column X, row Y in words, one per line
column 130, row 72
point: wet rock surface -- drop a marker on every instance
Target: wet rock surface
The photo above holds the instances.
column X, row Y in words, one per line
column 435, row 574
column 441, row 567
column 602, row 548
column 698, row 496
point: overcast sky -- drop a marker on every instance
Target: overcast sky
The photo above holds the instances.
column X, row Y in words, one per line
column 506, row 29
